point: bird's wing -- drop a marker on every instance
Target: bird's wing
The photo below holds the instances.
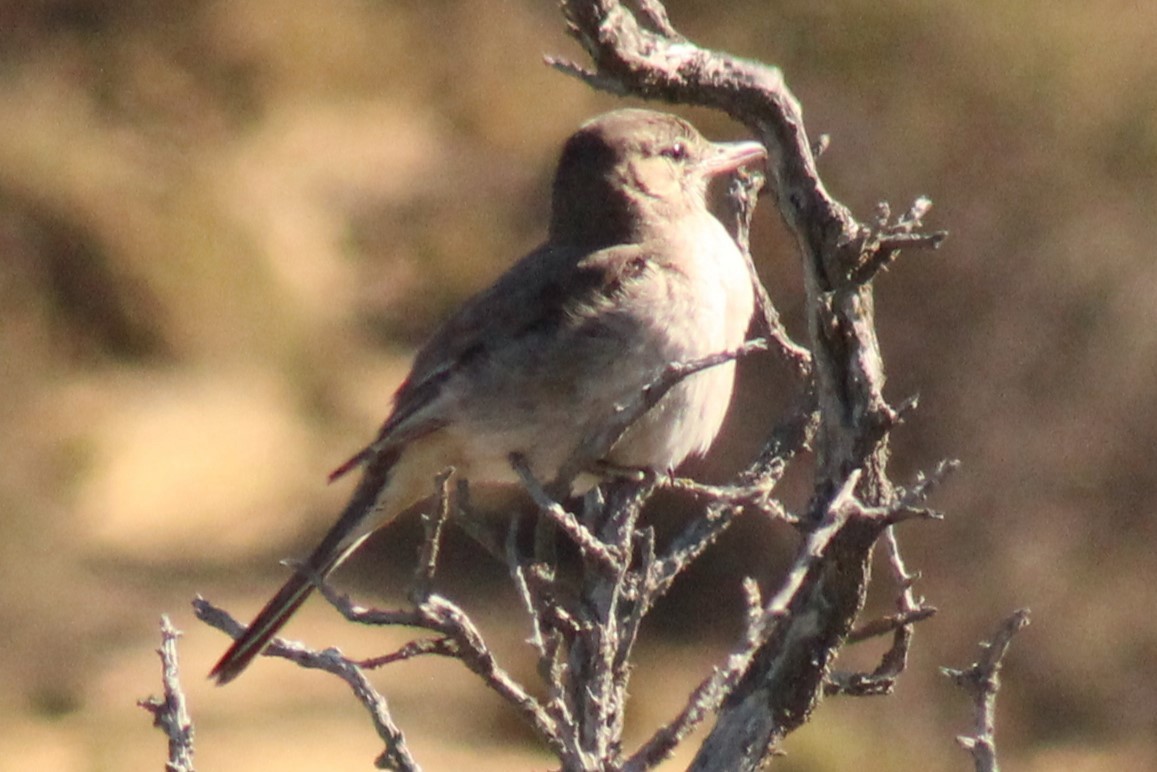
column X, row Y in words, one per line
column 549, row 290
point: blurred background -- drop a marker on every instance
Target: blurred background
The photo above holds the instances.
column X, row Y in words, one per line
column 224, row 227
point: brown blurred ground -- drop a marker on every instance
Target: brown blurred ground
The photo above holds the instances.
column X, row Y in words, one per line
column 224, row 225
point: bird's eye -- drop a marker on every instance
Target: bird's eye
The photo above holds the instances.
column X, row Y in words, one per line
column 676, row 151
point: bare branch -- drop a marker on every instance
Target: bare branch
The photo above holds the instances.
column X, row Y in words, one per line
column 762, row 626
column 171, row 714
column 599, row 443
column 396, row 755
column 789, row 438
column 882, row 244
column 910, row 609
column 756, row 496
column 889, row 624
column 982, row 682
column 744, row 189
column 432, row 525
column 893, row 663
column 590, row 545
column 443, row 616
column 442, row 647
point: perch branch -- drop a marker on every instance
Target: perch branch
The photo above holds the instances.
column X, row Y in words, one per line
column 981, row 681
column 170, row 713
column 396, row 755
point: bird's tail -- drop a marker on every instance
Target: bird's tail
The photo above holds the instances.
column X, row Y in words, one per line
column 263, row 627
column 358, row 519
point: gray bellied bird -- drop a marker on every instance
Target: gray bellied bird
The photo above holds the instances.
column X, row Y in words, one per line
column 635, row 274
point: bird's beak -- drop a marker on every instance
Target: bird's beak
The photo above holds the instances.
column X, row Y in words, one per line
column 729, row 156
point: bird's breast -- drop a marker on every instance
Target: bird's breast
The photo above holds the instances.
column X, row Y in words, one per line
column 701, row 305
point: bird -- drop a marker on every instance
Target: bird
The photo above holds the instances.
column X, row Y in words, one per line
column 636, row 273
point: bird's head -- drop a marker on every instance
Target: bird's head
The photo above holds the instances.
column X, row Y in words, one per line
column 628, row 171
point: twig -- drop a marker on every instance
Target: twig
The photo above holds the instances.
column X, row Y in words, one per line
column 442, row 647
column 889, row 624
column 757, row 496
column 522, row 587
column 744, row 189
column 432, row 525
column 443, row 616
column 710, row 694
column 591, row 547
column 788, row 439
column 625, row 414
column 883, row 243
column 396, row 755
column 893, row 663
column 981, row 681
column 171, row 714
column 910, row 609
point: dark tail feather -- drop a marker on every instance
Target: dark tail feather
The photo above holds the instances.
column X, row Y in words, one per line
column 356, row 460
column 342, row 539
column 264, row 626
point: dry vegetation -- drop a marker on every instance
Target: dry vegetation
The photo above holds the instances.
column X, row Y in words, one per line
column 223, row 225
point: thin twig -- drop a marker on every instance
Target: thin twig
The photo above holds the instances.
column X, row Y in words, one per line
column 396, row 755
column 889, row 624
column 910, row 609
column 883, row 242
column 170, row 713
column 441, row 615
column 788, row 439
column 743, row 192
column 709, row 695
column 591, row 546
column 442, row 647
column 893, row 663
column 432, row 526
column 599, row 443
column 757, row 496
column 522, row 587
column 981, row 681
